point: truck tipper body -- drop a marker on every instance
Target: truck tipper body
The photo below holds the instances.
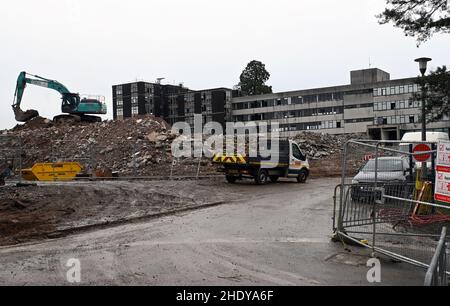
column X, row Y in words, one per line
column 285, row 161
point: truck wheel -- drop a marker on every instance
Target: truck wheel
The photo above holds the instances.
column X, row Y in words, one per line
column 274, row 178
column 261, row 177
column 231, row 179
column 302, row 177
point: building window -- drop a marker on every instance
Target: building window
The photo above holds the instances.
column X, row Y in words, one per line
column 119, row 90
column 135, row 110
column 120, row 113
column 149, row 89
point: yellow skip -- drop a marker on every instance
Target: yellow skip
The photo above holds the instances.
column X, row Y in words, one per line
column 52, row 171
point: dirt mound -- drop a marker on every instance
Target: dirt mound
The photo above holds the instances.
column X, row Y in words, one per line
column 34, row 124
column 324, row 152
column 47, row 211
column 321, row 145
column 139, row 146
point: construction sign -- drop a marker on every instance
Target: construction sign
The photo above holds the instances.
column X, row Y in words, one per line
column 233, row 159
column 442, row 188
column 422, row 147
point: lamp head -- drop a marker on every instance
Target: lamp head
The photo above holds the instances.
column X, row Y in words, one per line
column 423, row 62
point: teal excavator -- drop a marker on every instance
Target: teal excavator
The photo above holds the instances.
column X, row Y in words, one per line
column 75, row 107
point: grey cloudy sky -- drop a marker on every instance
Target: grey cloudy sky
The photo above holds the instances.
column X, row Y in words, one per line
column 89, row 45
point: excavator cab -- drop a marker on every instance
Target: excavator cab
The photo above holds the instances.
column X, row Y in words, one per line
column 90, row 104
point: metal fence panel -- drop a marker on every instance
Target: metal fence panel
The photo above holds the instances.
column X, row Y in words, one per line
column 386, row 200
column 436, row 274
column 11, row 157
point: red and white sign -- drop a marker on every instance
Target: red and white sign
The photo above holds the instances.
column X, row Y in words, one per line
column 422, row 148
column 443, row 153
column 442, row 185
column 442, row 190
column 370, row 156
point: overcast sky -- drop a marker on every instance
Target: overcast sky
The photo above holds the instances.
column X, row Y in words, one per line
column 90, row 45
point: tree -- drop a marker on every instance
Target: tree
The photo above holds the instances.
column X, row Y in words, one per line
column 253, row 79
column 436, row 93
column 418, row 18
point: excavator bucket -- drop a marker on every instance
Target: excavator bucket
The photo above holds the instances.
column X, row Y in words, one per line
column 26, row 116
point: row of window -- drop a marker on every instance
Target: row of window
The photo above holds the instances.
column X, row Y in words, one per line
column 309, row 126
column 395, row 90
column 314, row 98
column 149, row 89
column 396, row 120
column 149, row 108
column 401, row 104
column 365, row 105
column 292, row 114
column 134, row 110
column 289, row 101
column 359, row 120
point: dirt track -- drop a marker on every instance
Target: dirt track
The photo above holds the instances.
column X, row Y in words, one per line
column 52, row 210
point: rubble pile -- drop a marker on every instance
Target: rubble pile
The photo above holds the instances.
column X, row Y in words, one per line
column 324, row 152
column 138, row 146
column 34, row 124
column 141, row 146
column 319, row 145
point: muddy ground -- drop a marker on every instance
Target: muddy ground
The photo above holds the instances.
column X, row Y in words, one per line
column 278, row 234
column 56, row 209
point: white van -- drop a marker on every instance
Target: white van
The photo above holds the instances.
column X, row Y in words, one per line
column 432, row 137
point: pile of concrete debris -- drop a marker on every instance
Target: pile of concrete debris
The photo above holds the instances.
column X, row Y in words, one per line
column 139, row 146
column 321, row 145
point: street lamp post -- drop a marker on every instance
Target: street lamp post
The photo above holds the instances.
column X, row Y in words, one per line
column 423, row 62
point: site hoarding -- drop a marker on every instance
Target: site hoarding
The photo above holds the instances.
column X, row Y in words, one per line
column 442, row 186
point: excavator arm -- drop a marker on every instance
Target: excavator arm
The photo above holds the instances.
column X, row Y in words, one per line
column 70, row 100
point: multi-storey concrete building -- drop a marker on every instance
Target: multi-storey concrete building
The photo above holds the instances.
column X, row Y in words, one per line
column 212, row 104
column 172, row 103
column 372, row 103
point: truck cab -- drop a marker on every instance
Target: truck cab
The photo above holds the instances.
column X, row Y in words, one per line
column 299, row 164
